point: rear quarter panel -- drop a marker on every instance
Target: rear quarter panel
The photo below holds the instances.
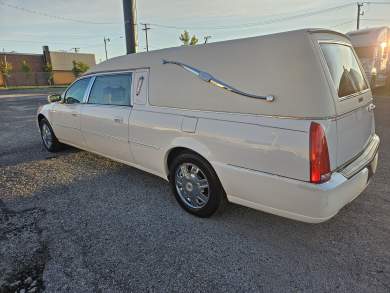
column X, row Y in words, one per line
column 270, row 149
column 266, row 144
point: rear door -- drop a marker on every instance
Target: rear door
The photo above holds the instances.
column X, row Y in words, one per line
column 352, row 95
column 105, row 117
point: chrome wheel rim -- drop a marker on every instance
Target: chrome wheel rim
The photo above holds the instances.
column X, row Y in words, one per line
column 46, row 135
column 192, row 185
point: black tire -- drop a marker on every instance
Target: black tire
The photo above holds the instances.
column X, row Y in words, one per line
column 216, row 194
column 55, row 145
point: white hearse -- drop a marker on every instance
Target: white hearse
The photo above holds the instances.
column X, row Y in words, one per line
column 282, row 123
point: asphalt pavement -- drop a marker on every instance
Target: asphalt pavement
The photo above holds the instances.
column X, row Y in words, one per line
column 76, row 222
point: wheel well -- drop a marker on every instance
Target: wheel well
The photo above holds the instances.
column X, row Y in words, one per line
column 173, row 153
column 40, row 117
column 179, row 150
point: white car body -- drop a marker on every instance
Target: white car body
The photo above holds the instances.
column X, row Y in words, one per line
column 259, row 149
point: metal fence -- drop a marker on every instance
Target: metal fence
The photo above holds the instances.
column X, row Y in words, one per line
column 29, row 78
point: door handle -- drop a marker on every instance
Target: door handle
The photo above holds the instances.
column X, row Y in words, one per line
column 118, row 120
column 371, row 107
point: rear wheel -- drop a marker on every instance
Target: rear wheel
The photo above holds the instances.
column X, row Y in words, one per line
column 50, row 141
column 196, row 185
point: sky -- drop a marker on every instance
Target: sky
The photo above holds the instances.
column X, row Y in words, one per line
column 66, row 24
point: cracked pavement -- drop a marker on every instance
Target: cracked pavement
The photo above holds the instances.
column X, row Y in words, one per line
column 77, row 222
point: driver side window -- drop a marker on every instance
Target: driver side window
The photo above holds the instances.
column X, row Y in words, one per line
column 75, row 93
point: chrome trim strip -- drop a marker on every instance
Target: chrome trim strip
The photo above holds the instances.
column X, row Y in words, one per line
column 145, row 145
column 219, row 119
column 356, row 164
column 334, row 117
column 207, row 77
column 88, row 90
column 264, row 172
column 326, row 31
column 114, row 71
column 110, row 137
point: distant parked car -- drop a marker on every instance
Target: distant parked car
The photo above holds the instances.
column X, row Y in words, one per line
column 282, row 123
column 372, row 47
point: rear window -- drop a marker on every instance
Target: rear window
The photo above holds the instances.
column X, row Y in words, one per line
column 344, row 69
column 111, row 90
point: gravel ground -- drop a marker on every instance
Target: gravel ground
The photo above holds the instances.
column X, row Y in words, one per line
column 76, row 222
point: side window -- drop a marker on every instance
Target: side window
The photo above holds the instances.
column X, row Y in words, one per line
column 75, row 93
column 111, row 90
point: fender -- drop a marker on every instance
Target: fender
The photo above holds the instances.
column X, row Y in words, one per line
column 45, row 110
column 189, row 143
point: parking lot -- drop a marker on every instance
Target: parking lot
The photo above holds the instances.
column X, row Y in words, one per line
column 76, row 222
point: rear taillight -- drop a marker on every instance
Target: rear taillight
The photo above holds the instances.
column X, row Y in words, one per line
column 319, row 155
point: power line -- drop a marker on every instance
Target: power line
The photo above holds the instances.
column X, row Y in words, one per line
column 375, row 2
column 376, row 19
column 343, row 23
column 35, row 42
column 31, row 11
column 259, row 23
column 253, row 24
column 244, row 25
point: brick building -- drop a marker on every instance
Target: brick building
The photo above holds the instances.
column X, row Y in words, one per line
column 61, row 63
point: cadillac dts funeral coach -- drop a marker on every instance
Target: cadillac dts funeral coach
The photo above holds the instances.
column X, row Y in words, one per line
column 282, row 123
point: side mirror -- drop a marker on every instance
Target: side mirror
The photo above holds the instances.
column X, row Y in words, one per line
column 54, row 98
column 70, row 100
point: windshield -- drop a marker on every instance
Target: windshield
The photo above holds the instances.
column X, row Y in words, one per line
column 344, row 69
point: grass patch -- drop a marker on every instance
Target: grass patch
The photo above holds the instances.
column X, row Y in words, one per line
column 32, row 87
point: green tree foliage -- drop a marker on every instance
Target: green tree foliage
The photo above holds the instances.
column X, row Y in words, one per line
column 79, row 68
column 49, row 69
column 5, row 70
column 187, row 40
column 26, row 68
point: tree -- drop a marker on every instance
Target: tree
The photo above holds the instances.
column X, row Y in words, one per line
column 5, row 70
column 26, row 68
column 49, row 69
column 185, row 38
column 79, row 68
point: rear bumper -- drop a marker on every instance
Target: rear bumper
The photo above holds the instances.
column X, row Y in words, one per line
column 294, row 199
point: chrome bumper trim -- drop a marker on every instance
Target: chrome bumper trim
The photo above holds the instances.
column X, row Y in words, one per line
column 363, row 160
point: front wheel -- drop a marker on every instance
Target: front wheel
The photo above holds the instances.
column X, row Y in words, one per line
column 196, row 185
column 49, row 139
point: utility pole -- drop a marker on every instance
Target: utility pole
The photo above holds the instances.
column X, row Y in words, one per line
column 206, row 38
column 146, row 28
column 129, row 13
column 360, row 12
column 5, row 57
column 106, row 40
